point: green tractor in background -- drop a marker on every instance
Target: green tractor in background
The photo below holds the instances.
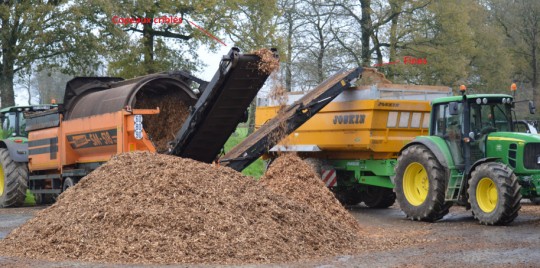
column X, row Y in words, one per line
column 472, row 157
column 14, row 154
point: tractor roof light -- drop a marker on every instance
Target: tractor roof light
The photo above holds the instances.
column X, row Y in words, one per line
column 462, row 89
column 513, row 88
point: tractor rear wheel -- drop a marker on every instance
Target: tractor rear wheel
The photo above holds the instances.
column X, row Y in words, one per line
column 420, row 184
column 13, row 180
column 378, row 197
column 494, row 194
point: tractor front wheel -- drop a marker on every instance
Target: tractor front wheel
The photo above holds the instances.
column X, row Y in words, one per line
column 420, row 184
column 13, row 180
column 494, row 194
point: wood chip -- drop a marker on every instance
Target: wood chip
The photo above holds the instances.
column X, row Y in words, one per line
column 144, row 208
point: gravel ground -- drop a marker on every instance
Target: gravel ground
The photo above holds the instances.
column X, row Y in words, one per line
column 456, row 241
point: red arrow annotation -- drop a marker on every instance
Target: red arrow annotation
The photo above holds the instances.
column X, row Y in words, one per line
column 161, row 20
column 206, row 32
column 407, row 60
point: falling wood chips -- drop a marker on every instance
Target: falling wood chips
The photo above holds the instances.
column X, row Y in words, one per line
column 269, row 62
column 157, row 209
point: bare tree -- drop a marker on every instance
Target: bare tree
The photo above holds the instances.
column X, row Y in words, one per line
column 520, row 20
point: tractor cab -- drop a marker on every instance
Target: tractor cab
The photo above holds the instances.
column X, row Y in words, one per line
column 465, row 122
column 14, row 122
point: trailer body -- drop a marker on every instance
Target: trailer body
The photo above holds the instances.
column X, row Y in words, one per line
column 354, row 141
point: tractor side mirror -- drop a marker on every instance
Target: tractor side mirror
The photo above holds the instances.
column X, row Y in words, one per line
column 453, row 108
column 532, row 108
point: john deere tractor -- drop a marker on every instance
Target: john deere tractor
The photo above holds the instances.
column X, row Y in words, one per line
column 14, row 154
column 472, row 157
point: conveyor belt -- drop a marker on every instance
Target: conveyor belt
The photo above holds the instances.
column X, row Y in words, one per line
column 289, row 120
column 220, row 108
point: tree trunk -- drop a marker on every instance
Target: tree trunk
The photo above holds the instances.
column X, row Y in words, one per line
column 7, row 95
column 320, row 57
column 366, row 30
column 396, row 7
column 251, row 117
column 288, row 67
column 148, row 48
column 534, row 67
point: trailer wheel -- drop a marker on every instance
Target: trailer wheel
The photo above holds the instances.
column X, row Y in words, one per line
column 421, row 185
column 45, row 199
column 13, row 180
column 68, row 182
column 348, row 197
column 494, row 194
column 378, row 197
column 535, row 200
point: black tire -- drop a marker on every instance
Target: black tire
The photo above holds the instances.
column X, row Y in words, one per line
column 494, row 194
column 45, row 199
column 535, row 200
column 68, row 182
column 378, row 197
column 418, row 201
column 14, row 177
column 348, row 197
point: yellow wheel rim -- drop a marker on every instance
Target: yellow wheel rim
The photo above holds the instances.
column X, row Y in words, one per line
column 487, row 195
column 415, row 184
column 2, row 181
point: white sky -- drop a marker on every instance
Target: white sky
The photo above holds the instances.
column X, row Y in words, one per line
column 212, row 60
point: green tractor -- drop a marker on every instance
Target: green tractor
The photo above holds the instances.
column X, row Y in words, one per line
column 14, row 154
column 472, row 157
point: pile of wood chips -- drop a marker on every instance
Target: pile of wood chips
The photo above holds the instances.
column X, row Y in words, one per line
column 173, row 112
column 149, row 208
column 291, row 176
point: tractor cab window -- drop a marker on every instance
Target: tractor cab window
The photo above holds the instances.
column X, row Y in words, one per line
column 449, row 127
column 22, row 125
column 8, row 124
column 487, row 116
column 490, row 117
column 447, row 124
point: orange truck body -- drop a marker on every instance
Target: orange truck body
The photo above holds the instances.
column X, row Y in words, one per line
column 93, row 139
